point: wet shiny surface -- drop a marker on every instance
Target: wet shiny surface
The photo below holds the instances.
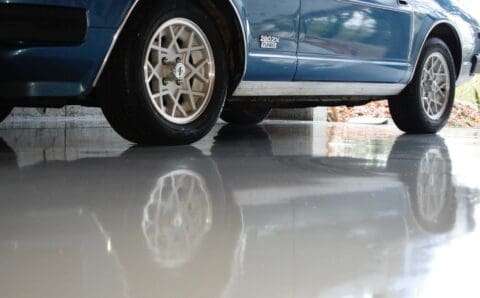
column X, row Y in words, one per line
column 280, row 210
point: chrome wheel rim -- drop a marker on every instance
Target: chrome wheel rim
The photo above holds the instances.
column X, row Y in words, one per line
column 179, row 71
column 435, row 86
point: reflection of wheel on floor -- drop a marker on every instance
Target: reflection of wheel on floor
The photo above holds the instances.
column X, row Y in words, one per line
column 424, row 164
column 167, row 79
column 177, row 217
column 182, row 242
column 186, row 208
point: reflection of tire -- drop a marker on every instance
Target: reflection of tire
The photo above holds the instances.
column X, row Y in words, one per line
column 425, row 105
column 244, row 114
column 4, row 112
column 167, row 80
column 244, row 140
column 423, row 163
column 213, row 241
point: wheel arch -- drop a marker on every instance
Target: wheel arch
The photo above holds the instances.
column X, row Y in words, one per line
column 445, row 31
column 224, row 13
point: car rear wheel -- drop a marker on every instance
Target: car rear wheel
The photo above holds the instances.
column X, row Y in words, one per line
column 167, row 82
column 4, row 112
column 426, row 104
column 244, row 115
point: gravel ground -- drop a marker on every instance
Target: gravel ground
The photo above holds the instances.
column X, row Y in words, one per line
column 466, row 111
column 465, row 114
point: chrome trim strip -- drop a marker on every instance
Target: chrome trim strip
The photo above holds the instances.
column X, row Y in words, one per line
column 245, row 40
column 257, row 88
column 114, row 42
column 124, row 22
column 280, row 56
column 399, row 8
column 412, row 34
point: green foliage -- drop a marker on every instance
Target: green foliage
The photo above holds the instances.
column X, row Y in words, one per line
column 470, row 92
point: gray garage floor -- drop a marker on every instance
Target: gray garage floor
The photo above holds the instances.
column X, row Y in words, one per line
column 280, row 210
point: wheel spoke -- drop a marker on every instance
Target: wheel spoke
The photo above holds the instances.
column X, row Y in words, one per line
column 191, row 96
column 157, row 95
column 172, row 34
column 190, row 44
column 196, row 71
column 153, row 71
column 434, row 101
column 435, row 63
column 442, row 94
column 182, row 110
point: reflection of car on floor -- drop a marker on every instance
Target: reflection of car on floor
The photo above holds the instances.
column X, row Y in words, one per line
column 164, row 71
column 124, row 225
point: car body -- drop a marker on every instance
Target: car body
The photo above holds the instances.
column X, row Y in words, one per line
column 296, row 52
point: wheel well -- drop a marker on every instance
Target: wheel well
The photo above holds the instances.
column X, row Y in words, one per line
column 223, row 14
column 447, row 34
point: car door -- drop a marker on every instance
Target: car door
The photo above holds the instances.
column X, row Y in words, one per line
column 354, row 40
column 272, row 28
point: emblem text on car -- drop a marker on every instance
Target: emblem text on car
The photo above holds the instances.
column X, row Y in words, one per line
column 269, row 42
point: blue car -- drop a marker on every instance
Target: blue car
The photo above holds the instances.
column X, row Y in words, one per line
column 164, row 71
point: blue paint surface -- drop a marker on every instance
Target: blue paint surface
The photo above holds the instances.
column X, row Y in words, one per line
column 320, row 40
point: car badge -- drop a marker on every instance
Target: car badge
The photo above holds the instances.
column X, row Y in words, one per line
column 269, row 42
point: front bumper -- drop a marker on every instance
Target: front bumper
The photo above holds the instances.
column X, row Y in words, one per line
column 476, row 64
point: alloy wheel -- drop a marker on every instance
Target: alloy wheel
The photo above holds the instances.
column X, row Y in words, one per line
column 179, row 71
column 435, row 86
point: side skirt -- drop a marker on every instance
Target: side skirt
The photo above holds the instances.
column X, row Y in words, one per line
column 317, row 89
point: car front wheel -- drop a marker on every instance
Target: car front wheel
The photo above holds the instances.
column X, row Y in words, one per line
column 166, row 83
column 426, row 104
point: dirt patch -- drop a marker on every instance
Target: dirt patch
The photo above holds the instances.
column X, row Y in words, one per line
column 464, row 114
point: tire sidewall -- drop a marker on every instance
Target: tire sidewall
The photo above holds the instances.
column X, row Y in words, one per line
column 159, row 125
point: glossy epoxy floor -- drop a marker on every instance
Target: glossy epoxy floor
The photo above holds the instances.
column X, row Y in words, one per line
column 281, row 210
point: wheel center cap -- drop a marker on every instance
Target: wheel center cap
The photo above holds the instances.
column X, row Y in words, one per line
column 179, row 71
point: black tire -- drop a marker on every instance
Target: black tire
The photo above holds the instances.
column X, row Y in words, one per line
column 407, row 109
column 245, row 115
column 124, row 95
column 4, row 112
